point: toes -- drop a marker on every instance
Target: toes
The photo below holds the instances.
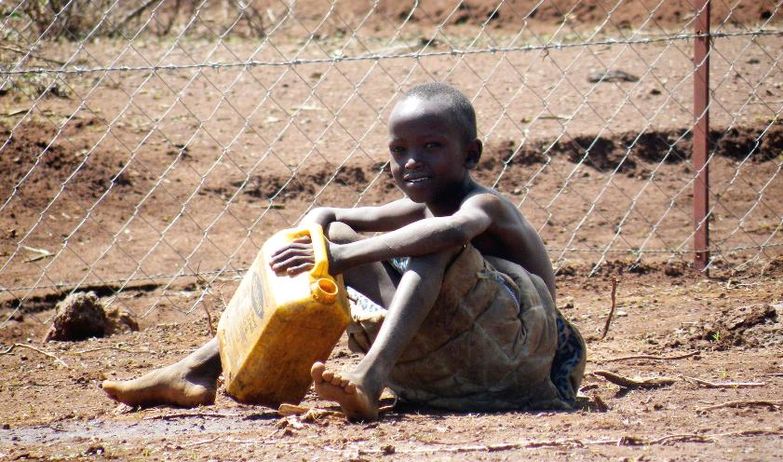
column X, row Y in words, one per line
column 317, row 372
column 321, row 375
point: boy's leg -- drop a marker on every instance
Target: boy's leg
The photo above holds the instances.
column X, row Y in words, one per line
column 190, row 382
column 377, row 281
column 358, row 392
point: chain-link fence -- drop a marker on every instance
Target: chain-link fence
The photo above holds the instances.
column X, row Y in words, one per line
column 155, row 144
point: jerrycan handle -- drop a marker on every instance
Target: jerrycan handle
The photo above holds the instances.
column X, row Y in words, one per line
column 321, row 264
column 322, row 286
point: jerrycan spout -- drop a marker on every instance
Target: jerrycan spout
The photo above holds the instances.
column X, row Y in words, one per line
column 324, row 290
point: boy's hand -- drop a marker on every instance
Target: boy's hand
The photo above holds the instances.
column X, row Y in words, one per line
column 298, row 257
column 294, row 258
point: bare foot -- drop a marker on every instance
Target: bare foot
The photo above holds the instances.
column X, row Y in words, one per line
column 354, row 401
column 173, row 385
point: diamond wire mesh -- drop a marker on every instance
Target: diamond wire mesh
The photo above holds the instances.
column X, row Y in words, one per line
column 155, row 144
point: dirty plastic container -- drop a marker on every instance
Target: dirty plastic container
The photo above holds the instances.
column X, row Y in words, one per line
column 276, row 326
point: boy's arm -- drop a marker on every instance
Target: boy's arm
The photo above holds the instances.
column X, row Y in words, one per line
column 380, row 218
column 417, row 238
column 422, row 237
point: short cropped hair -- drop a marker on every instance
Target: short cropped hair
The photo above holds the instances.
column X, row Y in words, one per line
column 460, row 110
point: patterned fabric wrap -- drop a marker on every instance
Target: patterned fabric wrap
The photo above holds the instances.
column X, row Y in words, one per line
column 492, row 341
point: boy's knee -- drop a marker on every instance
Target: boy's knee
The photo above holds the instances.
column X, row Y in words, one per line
column 340, row 233
column 435, row 261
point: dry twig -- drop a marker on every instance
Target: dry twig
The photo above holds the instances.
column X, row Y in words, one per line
column 199, row 443
column 738, row 404
column 209, row 321
column 185, row 415
column 42, row 253
column 204, row 285
column 18, row 111
column 611, row 312
column 635, row 382
column 286, row 410
column 652, row 357
column 30, row 347
column 122, row 22
column 110, row 347
column 30, row 53
column 707, row 384
column 689, row 437
column 312, row 413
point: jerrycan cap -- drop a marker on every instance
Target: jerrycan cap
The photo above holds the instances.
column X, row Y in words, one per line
column 324, row 290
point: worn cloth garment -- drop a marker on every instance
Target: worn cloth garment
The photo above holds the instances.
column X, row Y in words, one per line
column 492, row 341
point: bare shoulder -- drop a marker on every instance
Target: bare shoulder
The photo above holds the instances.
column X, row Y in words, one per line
column 510, row 236
column 494, row 204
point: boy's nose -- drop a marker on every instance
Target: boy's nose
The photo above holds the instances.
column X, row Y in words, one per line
column 412, row 163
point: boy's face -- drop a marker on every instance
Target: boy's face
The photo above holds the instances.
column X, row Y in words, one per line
column 429, row 159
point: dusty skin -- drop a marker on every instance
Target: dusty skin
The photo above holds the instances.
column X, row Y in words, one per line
column 168, row 385
column 355, row 403
column 189, row 382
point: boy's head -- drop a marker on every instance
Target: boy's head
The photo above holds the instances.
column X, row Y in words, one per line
column 433, row 142
column 456, row 106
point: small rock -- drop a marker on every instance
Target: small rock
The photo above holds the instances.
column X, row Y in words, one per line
column 119, row 320
column 611, row 75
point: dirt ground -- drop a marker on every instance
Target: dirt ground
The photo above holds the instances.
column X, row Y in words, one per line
column 157, row 189
column 723, row 404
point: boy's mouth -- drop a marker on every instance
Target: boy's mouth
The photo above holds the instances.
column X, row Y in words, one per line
column 416, row 178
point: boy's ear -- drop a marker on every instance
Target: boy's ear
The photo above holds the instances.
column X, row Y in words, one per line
column 473, row 153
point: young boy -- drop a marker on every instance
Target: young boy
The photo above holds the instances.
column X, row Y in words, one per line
column 453, row 302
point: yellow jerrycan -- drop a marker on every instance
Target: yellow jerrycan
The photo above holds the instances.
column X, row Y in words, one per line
column 276, row 326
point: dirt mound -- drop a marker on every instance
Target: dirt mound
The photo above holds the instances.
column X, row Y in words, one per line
column 754, row 326
column 79, row 317
column 624, row 151
column 620, row 267
column 579, row 13
column 38, row 168
column 82, row 315
column 36, row 161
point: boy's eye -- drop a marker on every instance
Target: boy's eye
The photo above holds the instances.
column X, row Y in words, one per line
column 396, row 149
column 432, row 145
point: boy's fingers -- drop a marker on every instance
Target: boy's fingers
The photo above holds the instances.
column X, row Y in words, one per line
column 290, row 262
column 291, row 254
column 303, row 242
column 299, row 268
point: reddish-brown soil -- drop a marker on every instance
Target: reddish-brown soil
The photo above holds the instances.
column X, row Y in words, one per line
column 154, row 196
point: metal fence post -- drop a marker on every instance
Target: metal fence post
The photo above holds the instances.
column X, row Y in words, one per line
column 701, row 128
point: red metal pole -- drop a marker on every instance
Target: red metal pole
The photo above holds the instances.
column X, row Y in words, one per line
column 701, row 129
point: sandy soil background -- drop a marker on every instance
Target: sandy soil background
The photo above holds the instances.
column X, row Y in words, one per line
column 155, row 190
